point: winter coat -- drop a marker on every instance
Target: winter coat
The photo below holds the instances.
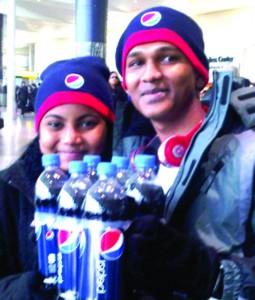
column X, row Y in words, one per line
column 18, row 254
column 120, row 99
column 19, row 276
column 212, row 197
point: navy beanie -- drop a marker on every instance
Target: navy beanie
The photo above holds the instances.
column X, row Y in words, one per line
column 167, row 25
column 81, row 80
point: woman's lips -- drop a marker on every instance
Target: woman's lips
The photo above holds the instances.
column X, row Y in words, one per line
column 72, row 155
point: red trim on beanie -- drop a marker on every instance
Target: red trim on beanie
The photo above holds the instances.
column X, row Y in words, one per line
column 163, row 35
column 72, row 97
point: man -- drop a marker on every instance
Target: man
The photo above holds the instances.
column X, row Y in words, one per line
column 23, row 97
column 205, row 247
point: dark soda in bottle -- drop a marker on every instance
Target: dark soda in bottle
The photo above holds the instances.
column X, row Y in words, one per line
column 47, row 188
column 107, row 212
column 144, row 187
column 71, row 238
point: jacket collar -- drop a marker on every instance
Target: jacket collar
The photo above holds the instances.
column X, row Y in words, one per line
column 23, row 173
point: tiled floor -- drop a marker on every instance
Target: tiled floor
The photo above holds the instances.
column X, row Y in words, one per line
column 14, row 136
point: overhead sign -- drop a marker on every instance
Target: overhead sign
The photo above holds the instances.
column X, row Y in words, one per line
column 219, row 63
column 28, row 74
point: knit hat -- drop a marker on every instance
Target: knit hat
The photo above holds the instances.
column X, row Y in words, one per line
column 167, row 25
column 81, row 80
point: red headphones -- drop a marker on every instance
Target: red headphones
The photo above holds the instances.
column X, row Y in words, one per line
column 172, row 150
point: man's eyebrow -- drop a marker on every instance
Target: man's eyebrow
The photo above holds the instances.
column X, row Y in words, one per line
column 133, row 54
column 160, row 49
column 167, row 48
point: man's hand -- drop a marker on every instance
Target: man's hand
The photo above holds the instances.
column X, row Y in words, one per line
column 163, row 261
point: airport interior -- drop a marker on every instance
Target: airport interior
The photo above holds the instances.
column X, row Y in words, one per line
column 36, row 33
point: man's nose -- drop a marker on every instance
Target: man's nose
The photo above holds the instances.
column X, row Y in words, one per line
column 151, row 72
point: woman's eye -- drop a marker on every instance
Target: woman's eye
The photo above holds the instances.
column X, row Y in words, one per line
column 87, row 124
column 55, row 125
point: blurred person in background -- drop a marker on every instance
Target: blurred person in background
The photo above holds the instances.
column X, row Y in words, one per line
column 120, row 99
column 22, row 97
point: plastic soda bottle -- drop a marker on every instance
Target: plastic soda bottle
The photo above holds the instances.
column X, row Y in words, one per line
column 71, row 239
column 47, row 188
column 123, row 170
column 143, row 187
column 92, row 161
column 107, row 213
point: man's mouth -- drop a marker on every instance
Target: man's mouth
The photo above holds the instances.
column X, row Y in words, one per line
column 155, row 91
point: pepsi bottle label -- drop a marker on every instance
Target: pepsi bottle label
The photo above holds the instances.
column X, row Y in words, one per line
column 46, row 244
column 71, row 244
column 149, row 197
column 44, row 218
column 133, row 190
column 102, row 262
column 47, row 250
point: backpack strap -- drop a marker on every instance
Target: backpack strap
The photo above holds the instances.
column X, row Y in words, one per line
column 214, row 122
column 243, row 101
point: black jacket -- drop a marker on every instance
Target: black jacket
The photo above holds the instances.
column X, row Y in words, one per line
column 18, row 252
column 19, row 276
column 211, row 199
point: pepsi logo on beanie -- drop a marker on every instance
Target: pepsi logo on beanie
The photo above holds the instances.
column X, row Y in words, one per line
column 81, row 80
column 167, row 25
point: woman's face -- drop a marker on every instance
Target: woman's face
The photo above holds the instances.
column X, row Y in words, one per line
column 72, row 130
column 113, row 80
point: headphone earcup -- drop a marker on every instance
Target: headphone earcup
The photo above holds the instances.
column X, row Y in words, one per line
column 172, row 150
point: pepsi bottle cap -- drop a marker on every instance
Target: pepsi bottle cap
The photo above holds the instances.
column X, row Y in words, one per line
column 92, row 159
column 51, row 159
column 77, row 166
column 122, row 162
column 145, row 161
column 106, row 168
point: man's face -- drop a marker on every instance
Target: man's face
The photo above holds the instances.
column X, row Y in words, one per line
column 161, row 81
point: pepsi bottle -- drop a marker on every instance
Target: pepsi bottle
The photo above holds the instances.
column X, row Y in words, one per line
column 144, row 188
column 71, row 239
column 47, row 188
column 92, row 161
column 107, row 213
column 123, row 170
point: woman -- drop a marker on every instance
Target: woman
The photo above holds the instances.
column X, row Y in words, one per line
column 131, row 130
column 120, row 99
column 74, row 117
column 118, row 93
